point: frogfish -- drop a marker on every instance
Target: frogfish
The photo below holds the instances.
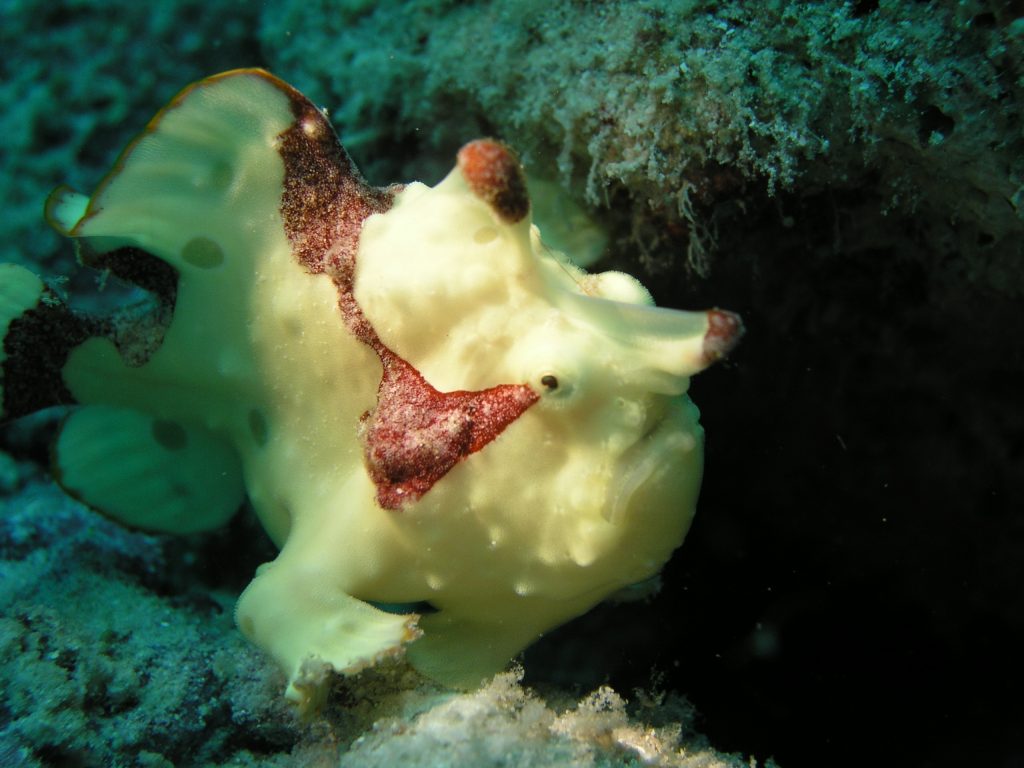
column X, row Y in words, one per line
column 457, row 438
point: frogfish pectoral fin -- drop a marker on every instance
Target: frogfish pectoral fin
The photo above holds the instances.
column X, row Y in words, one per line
column 312, row 628
column 146, row 472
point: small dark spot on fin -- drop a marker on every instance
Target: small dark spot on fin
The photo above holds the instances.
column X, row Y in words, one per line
column 169, row 435
column 202, row 252
column 258, row 426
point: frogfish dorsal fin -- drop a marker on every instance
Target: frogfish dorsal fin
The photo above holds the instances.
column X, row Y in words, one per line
column 205, row 178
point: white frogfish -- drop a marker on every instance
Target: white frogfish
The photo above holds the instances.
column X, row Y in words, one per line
column 457, row 438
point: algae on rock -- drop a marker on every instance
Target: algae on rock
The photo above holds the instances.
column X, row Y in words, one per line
column 669, row 112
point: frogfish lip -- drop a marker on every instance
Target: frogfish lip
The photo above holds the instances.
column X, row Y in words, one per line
column 671, row 437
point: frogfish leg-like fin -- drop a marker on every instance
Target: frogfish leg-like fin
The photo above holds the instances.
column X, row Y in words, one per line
column 313, row 628
column 461, row 653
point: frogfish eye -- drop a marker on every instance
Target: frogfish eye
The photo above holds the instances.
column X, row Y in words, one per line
column 549, row 382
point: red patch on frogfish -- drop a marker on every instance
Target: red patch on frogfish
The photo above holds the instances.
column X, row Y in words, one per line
column 415, row 434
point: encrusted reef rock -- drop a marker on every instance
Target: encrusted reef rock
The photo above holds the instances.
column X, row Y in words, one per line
column 671, row 111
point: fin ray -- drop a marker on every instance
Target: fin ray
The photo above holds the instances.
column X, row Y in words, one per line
column 153, row 474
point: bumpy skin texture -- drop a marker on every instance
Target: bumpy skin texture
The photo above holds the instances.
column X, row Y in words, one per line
column 424, row 403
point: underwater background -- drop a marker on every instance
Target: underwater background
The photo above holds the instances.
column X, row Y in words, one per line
column 846, row 176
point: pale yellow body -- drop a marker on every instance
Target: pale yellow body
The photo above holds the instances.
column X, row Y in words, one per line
column 588, row 491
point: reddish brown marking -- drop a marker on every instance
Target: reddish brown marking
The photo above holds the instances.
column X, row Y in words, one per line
column 494, row 175
column 325, row 199
column 36, row 346
column 724, row 332
column 415, row 434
